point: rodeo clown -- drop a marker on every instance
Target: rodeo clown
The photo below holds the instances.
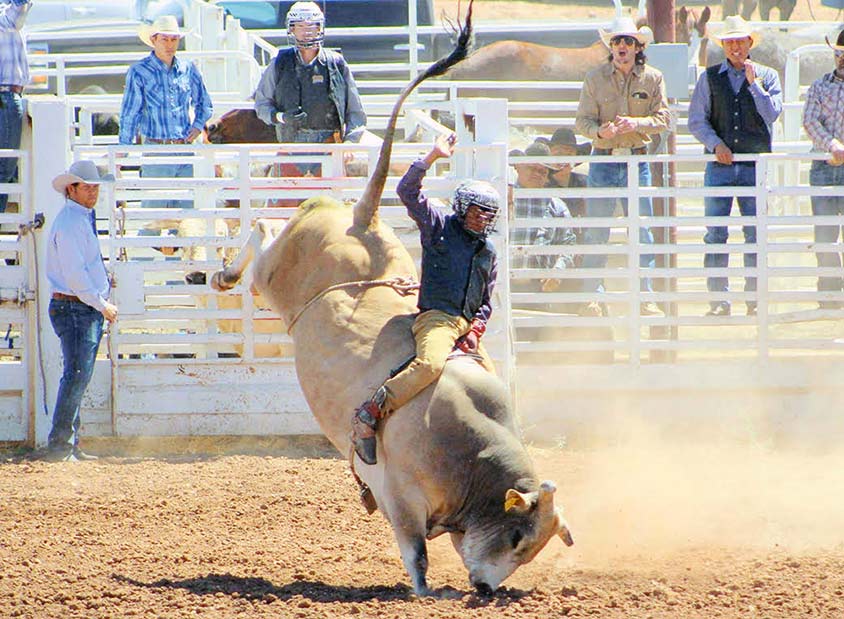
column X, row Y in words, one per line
column 308, row 93
column 459, row 266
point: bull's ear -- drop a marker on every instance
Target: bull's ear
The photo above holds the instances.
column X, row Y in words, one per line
column 517, row 502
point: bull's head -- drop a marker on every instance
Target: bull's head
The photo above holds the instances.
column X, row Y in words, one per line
column 493, row 549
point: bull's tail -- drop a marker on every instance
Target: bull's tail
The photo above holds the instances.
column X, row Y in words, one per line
column 366, row 209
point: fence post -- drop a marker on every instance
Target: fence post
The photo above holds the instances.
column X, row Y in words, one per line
column 634, row 252
column 762, row 255
column 51, row 149
column 486, row 125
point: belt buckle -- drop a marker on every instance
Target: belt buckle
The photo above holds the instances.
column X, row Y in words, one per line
column 622, row 151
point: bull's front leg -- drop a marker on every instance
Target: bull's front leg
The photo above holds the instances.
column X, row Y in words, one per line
column 228, row 277
column 408, row 520
column 414, row 555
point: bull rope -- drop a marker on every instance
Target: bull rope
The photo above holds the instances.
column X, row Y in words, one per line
column 403, row 285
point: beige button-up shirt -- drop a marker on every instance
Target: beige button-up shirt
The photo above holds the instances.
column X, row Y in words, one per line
column 607, row 93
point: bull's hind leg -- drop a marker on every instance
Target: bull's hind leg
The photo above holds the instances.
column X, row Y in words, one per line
column 228, row 277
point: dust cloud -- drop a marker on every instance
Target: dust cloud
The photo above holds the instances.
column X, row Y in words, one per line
column 657, row 494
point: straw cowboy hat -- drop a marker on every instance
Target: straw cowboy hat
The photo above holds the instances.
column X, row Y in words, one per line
column 80, row 172
column 736, row 28
column 626, row 27
column 165, row 24
column 839, row 44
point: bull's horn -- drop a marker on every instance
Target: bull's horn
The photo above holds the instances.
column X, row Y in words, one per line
column 515, row 501
column 563, row 528
column 546, row 494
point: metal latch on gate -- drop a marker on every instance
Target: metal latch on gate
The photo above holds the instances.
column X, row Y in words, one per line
column 20, row 296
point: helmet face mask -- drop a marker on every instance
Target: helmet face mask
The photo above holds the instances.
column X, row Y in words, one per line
column 305, row 25
column 483, row 196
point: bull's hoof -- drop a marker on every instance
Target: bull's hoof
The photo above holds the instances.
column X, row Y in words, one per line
column 367, row 499
column 365, row 449
column 195, row 278
column 219, row 283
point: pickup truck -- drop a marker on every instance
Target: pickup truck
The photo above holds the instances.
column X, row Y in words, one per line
column 268, row 20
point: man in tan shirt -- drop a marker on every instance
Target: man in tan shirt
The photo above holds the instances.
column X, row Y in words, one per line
column 622, row 104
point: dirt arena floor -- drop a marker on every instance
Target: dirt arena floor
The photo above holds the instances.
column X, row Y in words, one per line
column 660, row 531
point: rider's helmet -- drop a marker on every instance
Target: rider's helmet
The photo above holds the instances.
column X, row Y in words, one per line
column 481, row 194
column 310, row 15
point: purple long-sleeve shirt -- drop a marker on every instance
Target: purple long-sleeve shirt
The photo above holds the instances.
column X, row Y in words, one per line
column 435, row 228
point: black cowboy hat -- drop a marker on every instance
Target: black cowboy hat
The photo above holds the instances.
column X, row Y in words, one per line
column 566, row 136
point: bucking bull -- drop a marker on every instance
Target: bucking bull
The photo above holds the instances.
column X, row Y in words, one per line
column 450, row 461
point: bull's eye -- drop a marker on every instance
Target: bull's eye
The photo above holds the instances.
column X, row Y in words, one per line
column 515, row 538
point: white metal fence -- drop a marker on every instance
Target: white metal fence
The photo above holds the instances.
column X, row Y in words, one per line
column 185, row 360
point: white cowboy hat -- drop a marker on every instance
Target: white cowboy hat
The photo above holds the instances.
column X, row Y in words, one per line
column 736, row 28
column 165, row 24
column 839, row 44
column 626, row 27
column 80, row 172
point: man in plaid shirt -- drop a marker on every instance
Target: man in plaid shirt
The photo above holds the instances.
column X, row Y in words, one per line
column 535, row 176
column 823, row 119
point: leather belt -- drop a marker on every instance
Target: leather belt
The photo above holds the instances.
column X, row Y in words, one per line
column 166, row 141
column 11, row 88
column 60, row 296
column 639, row 150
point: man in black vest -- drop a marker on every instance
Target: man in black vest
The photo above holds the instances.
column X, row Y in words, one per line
column 308, row 92
column 732, row 111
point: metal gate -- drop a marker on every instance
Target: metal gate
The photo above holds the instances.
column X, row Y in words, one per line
column 18, row 345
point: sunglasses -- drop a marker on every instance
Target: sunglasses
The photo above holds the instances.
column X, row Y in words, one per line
column 629, row 41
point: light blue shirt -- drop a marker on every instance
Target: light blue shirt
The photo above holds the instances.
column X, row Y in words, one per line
column 158, row 98
column 74, row 260
column 14, row 68
column 765, row 90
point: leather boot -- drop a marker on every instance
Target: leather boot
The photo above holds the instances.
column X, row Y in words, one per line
column 364, row 425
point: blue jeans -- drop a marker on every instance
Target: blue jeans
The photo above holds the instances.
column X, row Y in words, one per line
column 824, row 174
column 165, row 170
column 313, row 136
column 734, row 175
column 615, row 175
column 11, row 125
column 80, row 329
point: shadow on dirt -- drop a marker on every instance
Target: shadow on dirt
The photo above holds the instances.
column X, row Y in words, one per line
column 262, row 589
column 255, row 589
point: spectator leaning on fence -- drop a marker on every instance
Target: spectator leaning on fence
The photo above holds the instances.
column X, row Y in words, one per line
column 14, row 75
column 823, row 119
column 563, row 143
column 732, row 111
column 535, row 176
column 308, row 92
column 80, row 290
column 622, row 104
column 160, row 91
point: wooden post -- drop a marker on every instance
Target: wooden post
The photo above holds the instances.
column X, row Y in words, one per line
column 661, row 20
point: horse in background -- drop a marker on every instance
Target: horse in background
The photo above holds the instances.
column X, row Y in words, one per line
column 745, row 8
column 522, row 61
